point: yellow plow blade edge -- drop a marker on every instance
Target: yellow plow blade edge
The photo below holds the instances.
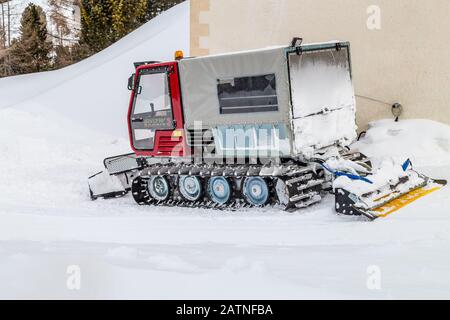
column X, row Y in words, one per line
column 404, row 200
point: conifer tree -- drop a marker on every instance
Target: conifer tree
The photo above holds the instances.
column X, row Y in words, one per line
column 31, row 51
column 103, row 22
column 156, row 7
column 127, row 16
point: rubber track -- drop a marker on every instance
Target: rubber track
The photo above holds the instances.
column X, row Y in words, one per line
column 304, row 184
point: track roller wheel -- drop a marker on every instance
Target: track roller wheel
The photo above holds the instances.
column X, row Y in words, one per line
column 159, row 188
column 190, row 188
column 256, row 191
column 219, row 190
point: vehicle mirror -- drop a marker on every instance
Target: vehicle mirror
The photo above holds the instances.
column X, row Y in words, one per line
column 131, row 81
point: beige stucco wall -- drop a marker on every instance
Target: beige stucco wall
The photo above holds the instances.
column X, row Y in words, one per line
column 199, row 29
column 406, row 61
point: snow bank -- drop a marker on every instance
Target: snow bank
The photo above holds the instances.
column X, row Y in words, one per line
column 425, row 142
column 57, row 127
column 93, row 92
column 389, row 144
column 45, row 159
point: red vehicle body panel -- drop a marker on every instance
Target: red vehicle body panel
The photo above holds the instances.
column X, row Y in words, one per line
column 168, row 143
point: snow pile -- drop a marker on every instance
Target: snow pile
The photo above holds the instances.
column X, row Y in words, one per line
column 94, row 92
column 57, row 127
column 45, row 159
column 425, row 142
column 389, row 144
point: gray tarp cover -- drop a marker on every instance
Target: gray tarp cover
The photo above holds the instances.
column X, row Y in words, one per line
column 199, row 78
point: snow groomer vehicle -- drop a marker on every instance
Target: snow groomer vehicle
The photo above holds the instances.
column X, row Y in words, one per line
column 262, row 128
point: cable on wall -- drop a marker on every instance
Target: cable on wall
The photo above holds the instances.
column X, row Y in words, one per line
column 396, row 108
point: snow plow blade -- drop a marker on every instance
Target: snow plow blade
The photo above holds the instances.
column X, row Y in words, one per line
column 104, row 185
column 115, row 181
column 387, row 199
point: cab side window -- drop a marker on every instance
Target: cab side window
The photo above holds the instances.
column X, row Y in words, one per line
column 248, row 94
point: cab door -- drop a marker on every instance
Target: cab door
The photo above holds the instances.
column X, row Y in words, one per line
column 155, row 117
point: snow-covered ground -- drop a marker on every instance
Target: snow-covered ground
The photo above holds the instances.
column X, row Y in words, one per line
column 56, row 128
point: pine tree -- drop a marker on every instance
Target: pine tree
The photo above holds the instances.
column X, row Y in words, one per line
column 103, row 22
column 31, row 52
column 156, row 7
column 95, row 24
column 127, row 16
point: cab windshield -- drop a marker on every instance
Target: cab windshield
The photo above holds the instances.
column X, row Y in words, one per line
column 152, row 109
